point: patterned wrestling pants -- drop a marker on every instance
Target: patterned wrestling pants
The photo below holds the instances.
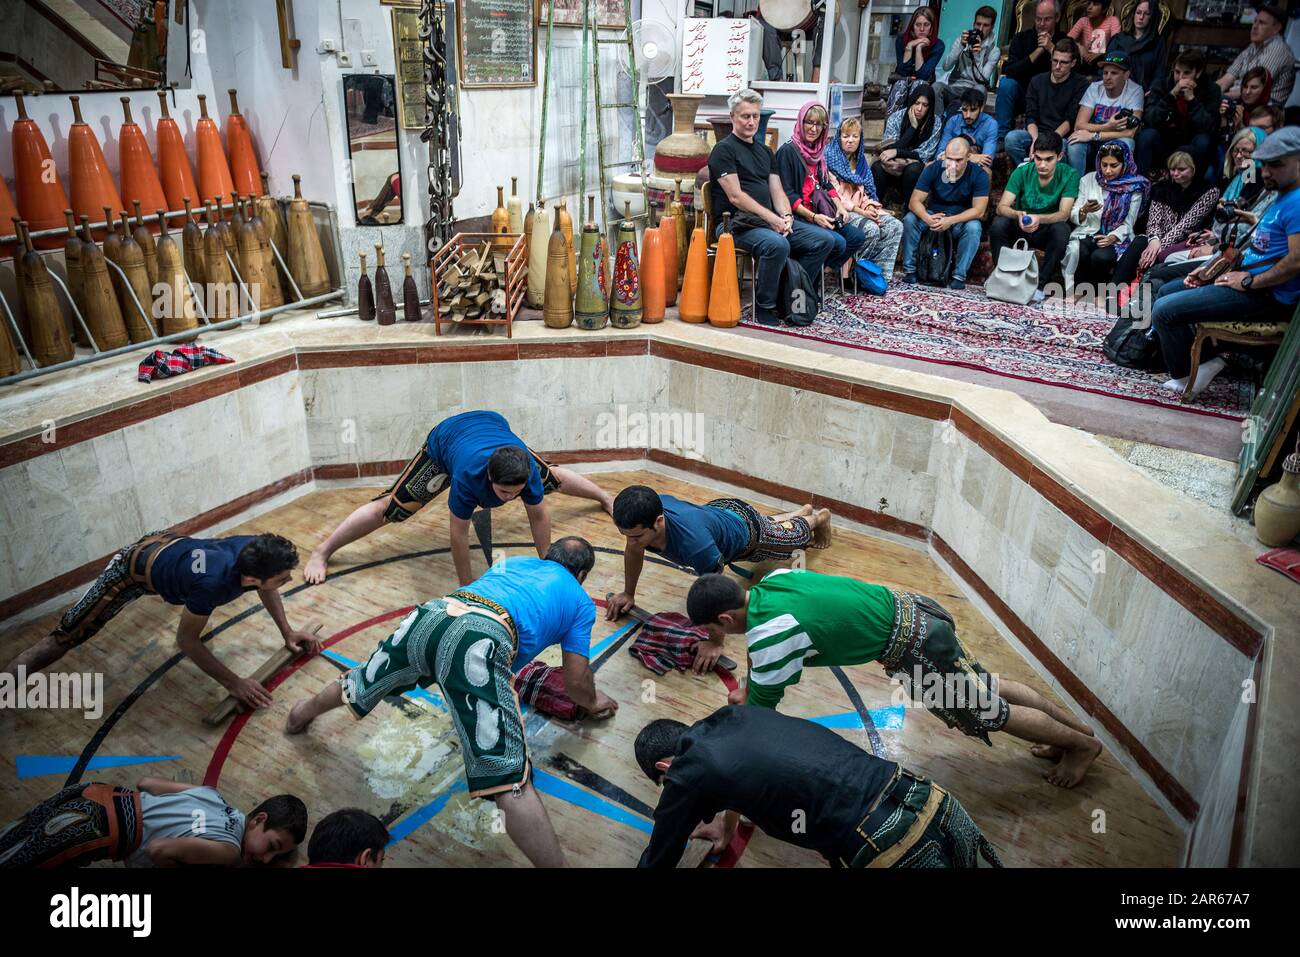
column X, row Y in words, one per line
column 916, row 823
column 768, row 540
column 80, row 824
column 124, row 580
column 924, row 650
column 469, row 658
column 424, row 479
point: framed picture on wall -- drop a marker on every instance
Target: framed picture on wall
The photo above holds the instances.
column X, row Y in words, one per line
column 496, row 43
column 408, row 54
column 610, row 14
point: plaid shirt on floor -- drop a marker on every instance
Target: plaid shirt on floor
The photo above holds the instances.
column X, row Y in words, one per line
column 667, row 641
column 542, row 686
column 161, row 364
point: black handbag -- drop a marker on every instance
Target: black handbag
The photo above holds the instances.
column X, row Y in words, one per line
column 1133, row 348
column 798, row 298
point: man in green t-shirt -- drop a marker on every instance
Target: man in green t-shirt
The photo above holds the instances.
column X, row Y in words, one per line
column 796, row 618
column 1036, row 206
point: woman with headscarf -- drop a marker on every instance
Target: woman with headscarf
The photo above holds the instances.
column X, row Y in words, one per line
column 1256, row 90
column 911, row 141
column 919, row 51
column 1102, row 246
column 851, row 175
column 1142, row 43
column 1182, row 207
column 801, row 164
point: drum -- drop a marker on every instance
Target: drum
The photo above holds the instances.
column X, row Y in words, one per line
column 785, row 16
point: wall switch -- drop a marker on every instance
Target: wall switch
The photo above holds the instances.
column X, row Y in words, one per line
column 368, row 58
column 345, row 58
column 327, row 46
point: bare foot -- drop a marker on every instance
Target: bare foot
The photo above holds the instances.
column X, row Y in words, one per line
column 1074, row 765
column 821, row 525
column 295, row 724
column 1048, row 752
column 607, row 503
column 804, row 512
column 314, row 573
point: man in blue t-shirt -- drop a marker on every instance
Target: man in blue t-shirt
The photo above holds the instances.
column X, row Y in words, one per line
column 470, row 644
column 951, row 195
column 480, row 463
column 199, row 574
column 1266, row 287
column 705, row 539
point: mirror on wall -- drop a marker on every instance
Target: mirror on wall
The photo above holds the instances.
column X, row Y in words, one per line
column 370, row 104
column 76, row 45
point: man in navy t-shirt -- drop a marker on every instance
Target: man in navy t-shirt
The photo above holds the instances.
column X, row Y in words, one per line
column 199, row 574
column 951, row 194
column 1264, row 289
column 480, row 463
column 705, row 539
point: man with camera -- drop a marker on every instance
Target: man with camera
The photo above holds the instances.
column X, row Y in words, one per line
column 1028, row 55
column 1111, row 109
column 1267, row 49
column 1262, row 286
column 970, row 63
column 1182, row 114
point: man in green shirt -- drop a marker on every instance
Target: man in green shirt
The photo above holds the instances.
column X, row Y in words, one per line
column 1036, row 206
column 797, row 618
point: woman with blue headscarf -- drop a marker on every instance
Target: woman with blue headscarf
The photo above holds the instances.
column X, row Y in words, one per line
column 1103, row 247
column 850, row 170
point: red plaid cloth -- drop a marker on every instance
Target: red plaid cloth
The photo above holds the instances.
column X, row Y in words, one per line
column 542, row 687
column 667, row 641
column 162, row 365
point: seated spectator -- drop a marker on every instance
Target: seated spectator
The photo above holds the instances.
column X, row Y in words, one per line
column 970, row 64
column 1111, row 109
column 745, row 184
column 1265, row 288
column 1181, row 210
column 1142, row 43
column 911, row 141
column 1207, row 243
column 851, row 174
column 952, row 194
column 1267, row 49
column 1093, row 32
column 1181, row 115
column 1267, row 118
column 1036, row 205
column 1052, row 102
column 1102, row 247
column 976, row 125
column 1241, row 169
column 349, row 837
column 1256, row 90
column 919, row 51
column 801, row 164
column 1028, row 55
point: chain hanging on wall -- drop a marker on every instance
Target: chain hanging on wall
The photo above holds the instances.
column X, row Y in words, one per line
column 438, row 120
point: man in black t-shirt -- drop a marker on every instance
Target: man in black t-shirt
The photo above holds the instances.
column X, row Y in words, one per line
column 1029, row 54
column 746, row 185
column 802, row 784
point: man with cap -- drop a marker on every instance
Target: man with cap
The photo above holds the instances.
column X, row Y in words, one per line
column 1111, row 109
column 1267, row 49
column 1264, row 288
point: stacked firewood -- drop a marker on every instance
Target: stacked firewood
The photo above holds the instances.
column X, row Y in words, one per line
column 472, row 284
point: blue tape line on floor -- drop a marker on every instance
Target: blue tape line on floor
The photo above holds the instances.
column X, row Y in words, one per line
column 37, row 765
column 885, row 719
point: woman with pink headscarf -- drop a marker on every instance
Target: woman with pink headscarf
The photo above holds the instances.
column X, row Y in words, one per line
column 801, row 164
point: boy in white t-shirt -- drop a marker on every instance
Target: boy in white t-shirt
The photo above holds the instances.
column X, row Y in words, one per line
column 1111, row 109
column 159, row 824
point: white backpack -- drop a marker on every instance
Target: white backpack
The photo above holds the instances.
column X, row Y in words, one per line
column 1015, row 277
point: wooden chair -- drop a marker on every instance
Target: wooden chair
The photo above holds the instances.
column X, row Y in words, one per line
column 1241, row 333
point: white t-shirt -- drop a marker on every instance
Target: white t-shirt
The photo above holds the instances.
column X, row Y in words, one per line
column 1105, row 106
column 198, row 812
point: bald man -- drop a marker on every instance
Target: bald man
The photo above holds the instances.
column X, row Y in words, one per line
column 950, row 197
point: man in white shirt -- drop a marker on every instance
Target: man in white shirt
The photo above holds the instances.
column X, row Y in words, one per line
column 1267, row 49
column 1111, row 109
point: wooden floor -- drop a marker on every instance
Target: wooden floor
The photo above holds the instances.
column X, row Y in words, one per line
column 401, row 763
